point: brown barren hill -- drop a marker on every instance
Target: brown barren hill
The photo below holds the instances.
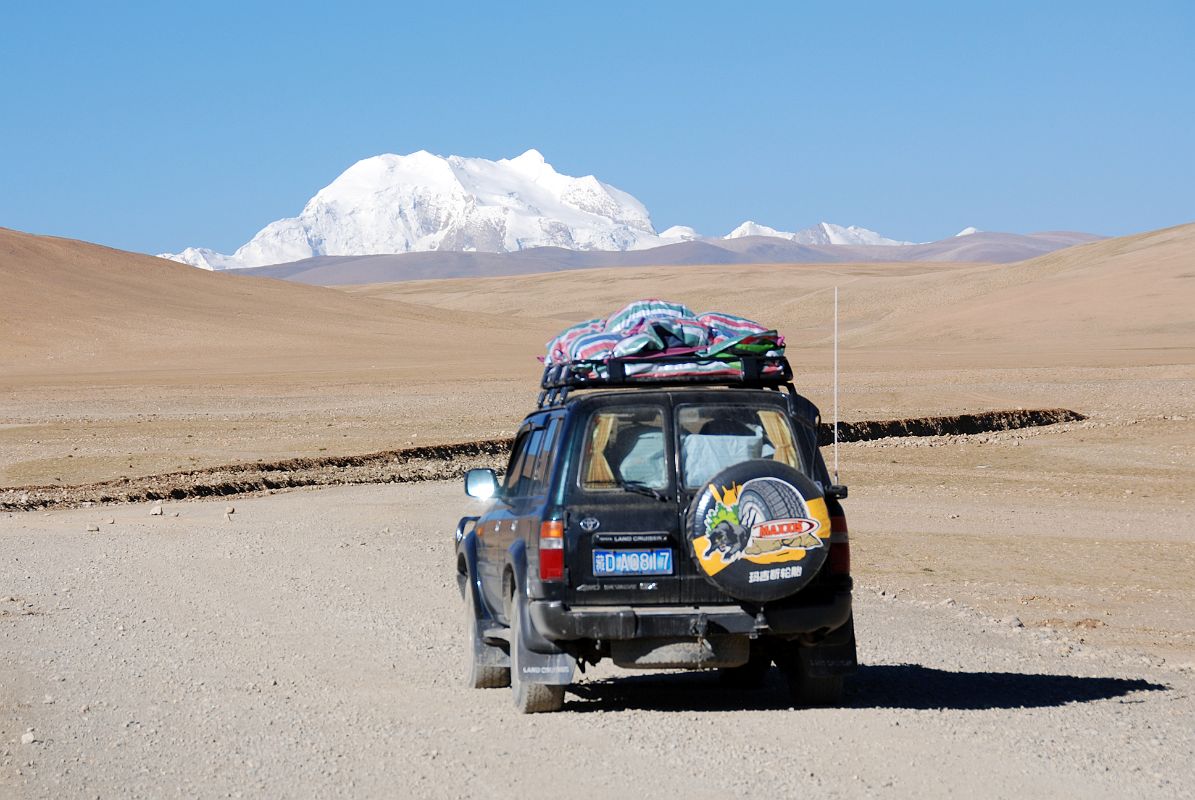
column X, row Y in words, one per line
column 116, row 364
column 1109, row 303
column 1115, row 302
column 70, row 308
column 113, row 363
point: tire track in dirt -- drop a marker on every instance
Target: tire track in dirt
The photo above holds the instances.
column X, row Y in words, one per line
column 440, row 462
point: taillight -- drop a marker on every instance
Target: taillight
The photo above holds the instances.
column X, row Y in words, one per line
column 551, row 550
column 840, row 547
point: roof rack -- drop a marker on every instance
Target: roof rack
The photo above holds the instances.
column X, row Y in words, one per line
column 559, row 379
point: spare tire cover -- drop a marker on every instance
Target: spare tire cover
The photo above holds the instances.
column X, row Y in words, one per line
column 759, row 530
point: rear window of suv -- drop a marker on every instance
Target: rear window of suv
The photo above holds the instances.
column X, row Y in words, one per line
column 715, row 437
column 625, row 445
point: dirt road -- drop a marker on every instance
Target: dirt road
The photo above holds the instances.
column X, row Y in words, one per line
column 308, row 645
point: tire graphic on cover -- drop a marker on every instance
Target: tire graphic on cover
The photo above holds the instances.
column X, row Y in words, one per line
column 762, row 500
column 759, row 530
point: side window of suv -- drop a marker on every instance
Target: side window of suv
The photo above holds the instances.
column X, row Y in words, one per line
column 526, row 481
column 514, row 470
column 547, row 455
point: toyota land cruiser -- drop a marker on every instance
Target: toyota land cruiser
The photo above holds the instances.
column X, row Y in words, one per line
column 682, row 524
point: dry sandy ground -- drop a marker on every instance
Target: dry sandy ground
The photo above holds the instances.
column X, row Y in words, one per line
column 309, row 646
column 172, row 630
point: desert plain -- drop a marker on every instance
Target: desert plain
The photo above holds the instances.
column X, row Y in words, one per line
column 1025, row 599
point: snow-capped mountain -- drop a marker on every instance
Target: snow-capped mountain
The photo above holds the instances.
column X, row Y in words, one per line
column 821, row 233
column 423, row 202
column 679, row 233
column 967, row 231
column 750, row 228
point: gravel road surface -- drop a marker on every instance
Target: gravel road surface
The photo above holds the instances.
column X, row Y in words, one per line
column 308, row 645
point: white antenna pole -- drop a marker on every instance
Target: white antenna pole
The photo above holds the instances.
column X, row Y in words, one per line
column 835, row 384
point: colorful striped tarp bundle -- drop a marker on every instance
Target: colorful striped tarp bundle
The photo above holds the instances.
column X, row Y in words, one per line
column 656, row 329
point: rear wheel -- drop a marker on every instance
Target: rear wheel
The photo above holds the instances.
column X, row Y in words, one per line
column 806, row 689
column 529, row 698
column 479, row 675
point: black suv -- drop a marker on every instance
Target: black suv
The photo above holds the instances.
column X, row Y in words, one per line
column 664, row 526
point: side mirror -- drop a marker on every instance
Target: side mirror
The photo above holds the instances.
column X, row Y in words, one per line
column 481, row 483
column 838, row 491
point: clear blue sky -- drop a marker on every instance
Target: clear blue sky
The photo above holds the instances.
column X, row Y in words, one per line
column 152, row 126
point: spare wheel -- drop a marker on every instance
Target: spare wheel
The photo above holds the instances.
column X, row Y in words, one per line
column 759, row 530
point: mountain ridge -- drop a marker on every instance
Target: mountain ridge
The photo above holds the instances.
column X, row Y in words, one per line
column 422, row 202
column 982, row 247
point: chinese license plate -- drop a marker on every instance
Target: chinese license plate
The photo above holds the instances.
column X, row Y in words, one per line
column 657, row 561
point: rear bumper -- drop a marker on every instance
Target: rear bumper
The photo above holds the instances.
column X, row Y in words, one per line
column 559, row 623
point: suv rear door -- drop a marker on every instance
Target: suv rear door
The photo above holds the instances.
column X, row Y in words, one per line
column 623, row 527
column 606, row 518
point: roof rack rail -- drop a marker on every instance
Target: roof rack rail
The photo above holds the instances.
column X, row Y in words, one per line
column 755, row 371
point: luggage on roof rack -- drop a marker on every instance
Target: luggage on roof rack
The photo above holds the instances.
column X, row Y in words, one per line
column 750, row 371
column 663, row 344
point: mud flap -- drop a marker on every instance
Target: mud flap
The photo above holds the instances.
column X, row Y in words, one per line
column 547, row 663
column 833, row 655
column 554, row 668
column 484, row 654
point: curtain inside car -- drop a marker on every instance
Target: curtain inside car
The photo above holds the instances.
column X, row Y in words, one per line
column 598, row 471
column 781, row 438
